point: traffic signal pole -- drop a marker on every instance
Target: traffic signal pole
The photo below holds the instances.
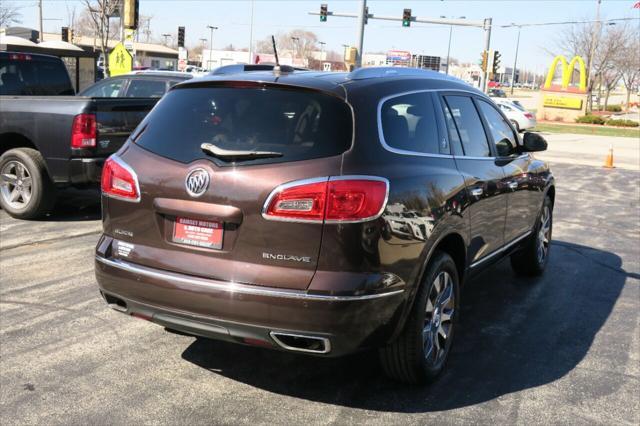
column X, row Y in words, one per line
column 363, row 16
column 484, row 83
column 362, row 10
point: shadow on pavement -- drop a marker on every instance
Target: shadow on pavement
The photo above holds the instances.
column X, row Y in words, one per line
column 74, row 205
column 514, row 334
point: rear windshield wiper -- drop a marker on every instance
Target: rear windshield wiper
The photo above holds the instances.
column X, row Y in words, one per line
column 234, row 155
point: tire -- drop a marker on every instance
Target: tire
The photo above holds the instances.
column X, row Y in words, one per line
column 26, row 190
column 516, row 125
column 412, row 357
column 532, row 259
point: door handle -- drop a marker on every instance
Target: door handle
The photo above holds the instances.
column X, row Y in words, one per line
column 476, row 192
column 513, row 185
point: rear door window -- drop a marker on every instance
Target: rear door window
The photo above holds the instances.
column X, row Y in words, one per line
column 111, row 88
column 143, row 88
column 409, row 124
column 299, row 124
column 461, row 115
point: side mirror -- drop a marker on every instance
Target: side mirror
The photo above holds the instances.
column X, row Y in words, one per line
column 534, row 142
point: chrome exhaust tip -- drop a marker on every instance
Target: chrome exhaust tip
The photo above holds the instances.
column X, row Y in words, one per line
column 301, row 342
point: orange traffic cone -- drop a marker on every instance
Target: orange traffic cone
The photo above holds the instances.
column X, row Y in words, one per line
column 608, row 162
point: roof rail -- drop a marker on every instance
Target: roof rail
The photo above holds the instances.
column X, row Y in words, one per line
column 379, row 72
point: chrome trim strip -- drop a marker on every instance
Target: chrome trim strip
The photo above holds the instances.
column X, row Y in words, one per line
column 327, row 343
column 501, row 249
column 128, row 168
column 323, row 179
column 230, row 287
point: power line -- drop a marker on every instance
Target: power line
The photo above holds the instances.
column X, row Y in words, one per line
column 538, row 24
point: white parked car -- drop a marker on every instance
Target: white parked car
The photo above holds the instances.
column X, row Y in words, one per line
column 517, row 114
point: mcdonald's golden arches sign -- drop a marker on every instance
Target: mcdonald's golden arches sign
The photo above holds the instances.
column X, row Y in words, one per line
column 567, row 72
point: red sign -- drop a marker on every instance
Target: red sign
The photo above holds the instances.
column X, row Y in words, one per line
column 199, row 233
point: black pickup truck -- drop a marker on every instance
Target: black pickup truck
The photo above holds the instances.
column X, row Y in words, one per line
column 49, row 138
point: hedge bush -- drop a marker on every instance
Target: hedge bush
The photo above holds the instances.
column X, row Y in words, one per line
column 590, row 119
column 622, row 123
column 614, row 108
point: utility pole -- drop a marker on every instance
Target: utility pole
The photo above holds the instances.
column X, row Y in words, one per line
column 41, row 35
column 515, row 61
column 595, row 35
column 484, row 83
column 251, row 36
column 362, row 10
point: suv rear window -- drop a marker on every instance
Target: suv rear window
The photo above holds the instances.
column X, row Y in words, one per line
column 34, row 77
column 297, row 123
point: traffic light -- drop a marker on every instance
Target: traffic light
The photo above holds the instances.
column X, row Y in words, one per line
column 180, row 36
column 496, row 62
column 485, row 57
column 323, row 12
column 130, row 14
column 65, row 34
column 72, row 36
column 406, row 18
column 366, row 15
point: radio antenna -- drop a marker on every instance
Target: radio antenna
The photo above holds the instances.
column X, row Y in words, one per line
column 275, row 52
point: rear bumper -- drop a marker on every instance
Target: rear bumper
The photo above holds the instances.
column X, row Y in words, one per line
column 83, row 171
column 249, row 314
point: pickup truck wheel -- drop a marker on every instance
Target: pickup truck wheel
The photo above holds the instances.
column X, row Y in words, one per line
column 532, row 259
column 420, row 352
column 26, row 191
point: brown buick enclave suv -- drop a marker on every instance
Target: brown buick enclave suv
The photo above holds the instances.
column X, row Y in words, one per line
column 321, row 213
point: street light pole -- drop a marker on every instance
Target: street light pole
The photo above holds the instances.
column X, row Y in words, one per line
column 296, row 46
column 449, row 48
column 166, row 36
column 450, row 34
column 210, row 44
column 322, row 43
column 515, row 61
column 251, row 36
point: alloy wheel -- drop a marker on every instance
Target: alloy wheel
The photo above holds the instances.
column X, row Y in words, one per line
column 16, row 184
column 438, row 323
column 544, row 234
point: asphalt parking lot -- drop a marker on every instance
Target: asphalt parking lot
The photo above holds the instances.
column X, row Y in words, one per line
column 564, row 348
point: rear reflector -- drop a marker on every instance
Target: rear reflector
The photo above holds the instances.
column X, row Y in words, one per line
column 335, row 200
column 83, row 131
column 119, row 180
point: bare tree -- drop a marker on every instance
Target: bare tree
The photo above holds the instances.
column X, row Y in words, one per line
column 628, row 63
column 298, row 41
column 597, row 45
column 9, row 14
column 99, row 12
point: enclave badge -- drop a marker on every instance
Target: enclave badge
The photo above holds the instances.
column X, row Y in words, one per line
column 197, row 182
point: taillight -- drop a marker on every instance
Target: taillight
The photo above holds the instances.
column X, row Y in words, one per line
column 83, row 131
column 119, row 180
column 529, row 115
column 19, row 57
column 339, row 199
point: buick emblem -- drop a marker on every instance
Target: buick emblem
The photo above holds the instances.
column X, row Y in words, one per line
column 197, row 182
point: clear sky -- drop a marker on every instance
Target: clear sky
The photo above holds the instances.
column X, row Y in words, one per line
column 233, row 17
